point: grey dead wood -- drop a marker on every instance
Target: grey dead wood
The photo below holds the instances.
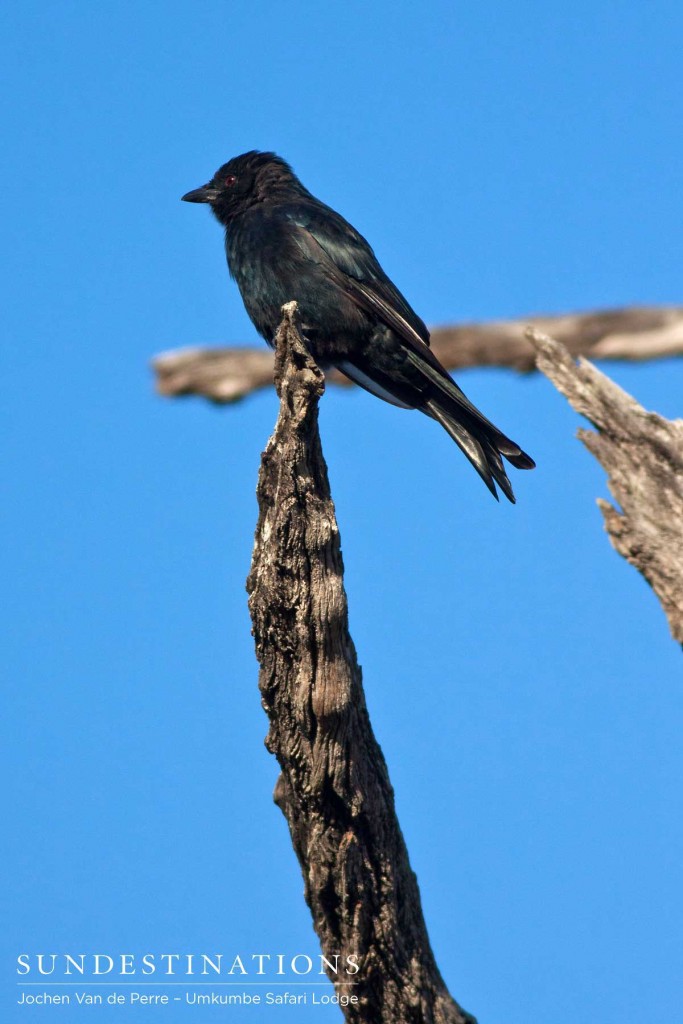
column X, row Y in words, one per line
column 642, row 454
column 633, row 333
column 334, row 788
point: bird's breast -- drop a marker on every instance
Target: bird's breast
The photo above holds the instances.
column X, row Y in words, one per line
column 270, row 269
column 263, row 266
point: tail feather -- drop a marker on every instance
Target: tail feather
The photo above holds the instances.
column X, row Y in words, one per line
column 478, row 448
column 513, row 453
column 456, row 407
column 420, row 382
column 468, row 445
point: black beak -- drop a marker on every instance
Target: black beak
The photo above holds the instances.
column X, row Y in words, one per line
column 205, row 194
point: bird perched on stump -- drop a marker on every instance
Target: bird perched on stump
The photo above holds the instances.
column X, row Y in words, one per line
column 283, row 244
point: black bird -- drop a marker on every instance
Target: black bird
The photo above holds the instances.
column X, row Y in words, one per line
column 283, row 244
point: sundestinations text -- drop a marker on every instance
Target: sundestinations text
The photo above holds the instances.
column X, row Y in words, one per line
column 184, row 964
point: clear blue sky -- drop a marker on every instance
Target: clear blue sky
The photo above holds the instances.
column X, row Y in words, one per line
column 502, row 159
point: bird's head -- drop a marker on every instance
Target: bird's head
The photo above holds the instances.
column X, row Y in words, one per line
column 247, row 179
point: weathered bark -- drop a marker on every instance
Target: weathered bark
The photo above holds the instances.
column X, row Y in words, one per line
column 334, row 789
column 643, row 455
column 635, row 333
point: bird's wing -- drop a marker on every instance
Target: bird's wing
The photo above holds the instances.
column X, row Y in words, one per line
column 327, row 238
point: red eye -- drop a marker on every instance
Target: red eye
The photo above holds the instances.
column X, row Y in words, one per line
column 230, row 180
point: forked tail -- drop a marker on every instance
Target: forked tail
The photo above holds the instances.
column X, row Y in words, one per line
column 481, row 442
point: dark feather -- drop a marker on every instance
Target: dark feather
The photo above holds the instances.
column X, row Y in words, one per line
column 283, row 244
